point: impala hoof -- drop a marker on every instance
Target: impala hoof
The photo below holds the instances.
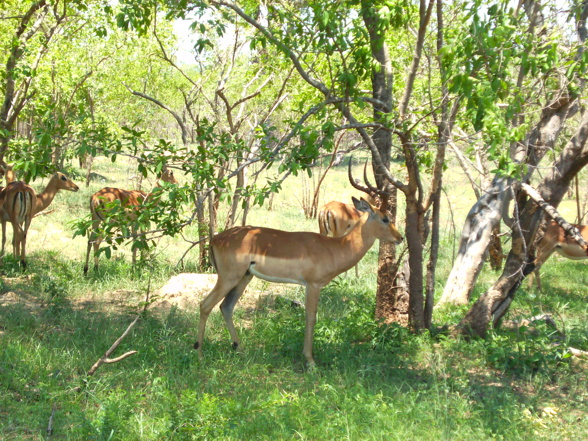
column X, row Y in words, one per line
column 235, row 345
column 196, row 345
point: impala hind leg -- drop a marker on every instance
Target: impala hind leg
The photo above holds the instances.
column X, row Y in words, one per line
column 228, row 305
column 23, row 252
column 222, row 289
column 93, row 242
column 3, row 238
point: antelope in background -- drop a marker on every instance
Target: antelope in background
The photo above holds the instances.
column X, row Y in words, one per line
column 555, row 239
column 336, row 218
column 128, row 199
column 19, row 203
column 308, row 259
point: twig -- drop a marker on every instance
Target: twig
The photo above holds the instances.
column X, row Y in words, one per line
column 193, row 244
column 50, row 425
column 44, row 213
column 577, row 352
column 104, row 359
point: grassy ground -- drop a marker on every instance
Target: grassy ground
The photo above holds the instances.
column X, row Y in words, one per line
column 372, row 383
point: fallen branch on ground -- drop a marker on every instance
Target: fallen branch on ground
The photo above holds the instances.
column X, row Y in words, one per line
column 50, row 425
column 551, row 323
column 105, row 358
column 44, row 213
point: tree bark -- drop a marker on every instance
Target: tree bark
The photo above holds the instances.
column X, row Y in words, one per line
column 11, row 104
column 487, row 212
column 493, row 304
column 388, row 299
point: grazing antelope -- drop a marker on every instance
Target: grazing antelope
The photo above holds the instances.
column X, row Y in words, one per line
column 303, row 258
column 130, row 199
column 556, row 239
column 21, row 203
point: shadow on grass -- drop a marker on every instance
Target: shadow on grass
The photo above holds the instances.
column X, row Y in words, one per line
column 371, row 383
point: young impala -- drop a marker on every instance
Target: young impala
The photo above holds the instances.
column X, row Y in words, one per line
column 129, row 199
column 555, row 239
column 303, row 258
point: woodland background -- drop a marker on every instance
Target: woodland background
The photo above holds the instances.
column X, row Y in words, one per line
column 454, row 106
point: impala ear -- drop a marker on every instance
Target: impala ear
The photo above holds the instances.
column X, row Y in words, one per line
column 362, row 205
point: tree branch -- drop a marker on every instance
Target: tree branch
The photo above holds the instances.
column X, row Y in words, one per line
column 163, row 106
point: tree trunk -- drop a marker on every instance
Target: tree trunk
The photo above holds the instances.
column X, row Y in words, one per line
column 414, row 240
column 391, row 305
column 475, row 237
column 389, row 299
column 495, row 253
column 487, row 212
column 493, row 304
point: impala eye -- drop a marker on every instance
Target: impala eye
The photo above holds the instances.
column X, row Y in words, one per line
column 63, row 178
column 385, row 220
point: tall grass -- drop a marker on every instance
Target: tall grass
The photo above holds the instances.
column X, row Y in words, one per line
column 372, row 382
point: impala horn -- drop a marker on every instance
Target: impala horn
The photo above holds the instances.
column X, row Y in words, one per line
column 369, row 189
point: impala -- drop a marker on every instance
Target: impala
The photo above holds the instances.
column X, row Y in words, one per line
column 129, row 199
column 303, row 258
column 21, row 203
column 8, row 173
column 555, row 239
column 337, row 218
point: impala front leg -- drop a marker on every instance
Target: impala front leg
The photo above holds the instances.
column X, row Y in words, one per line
column 312, row 298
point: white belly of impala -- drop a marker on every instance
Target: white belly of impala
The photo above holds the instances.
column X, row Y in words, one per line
column 270, row 278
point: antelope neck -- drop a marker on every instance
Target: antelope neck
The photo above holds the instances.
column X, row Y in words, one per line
column 45, row 198
column 358, row 238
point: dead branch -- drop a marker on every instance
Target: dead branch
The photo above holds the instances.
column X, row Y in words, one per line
column 105, row 358
column 44, row 213
column 516, row 324
column 193, row 244
column 50, row 425
column 577, row 352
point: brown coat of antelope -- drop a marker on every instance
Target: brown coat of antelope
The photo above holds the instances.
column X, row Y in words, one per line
column 336, row 218
column 555, row 239
column 303, row 258
column 20, row 203
column 128, row 199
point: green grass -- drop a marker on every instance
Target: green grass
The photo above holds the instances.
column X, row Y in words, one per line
column 372, row 382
